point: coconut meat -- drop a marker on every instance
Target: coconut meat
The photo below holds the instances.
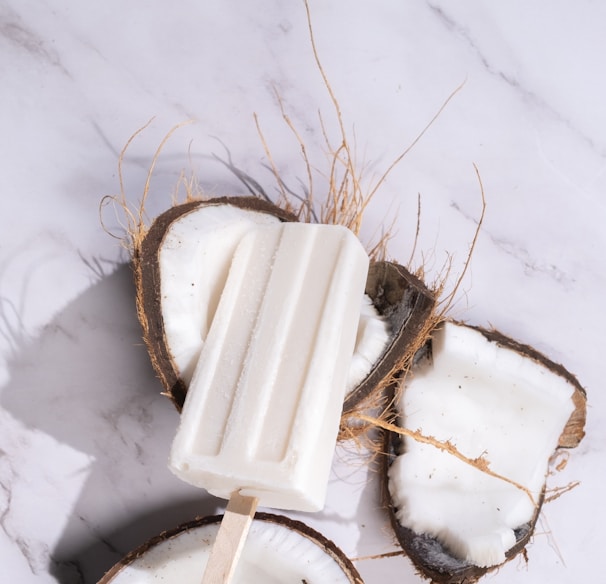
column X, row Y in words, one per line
column 273, row 554
column 194, row 260
column 487, row 401
column 372, row 339
column 195, row 257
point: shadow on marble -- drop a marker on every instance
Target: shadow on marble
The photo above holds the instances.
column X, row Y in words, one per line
column 87, row 383
column 382, row 556
column 87, row 563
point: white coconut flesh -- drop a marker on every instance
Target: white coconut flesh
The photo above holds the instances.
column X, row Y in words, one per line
column 273, row 554
column 488, row 401
column 194, row 260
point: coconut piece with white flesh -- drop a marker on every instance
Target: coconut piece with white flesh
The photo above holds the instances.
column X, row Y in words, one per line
column 493, row 402
column 278, row 550
column 262, row 411
column 180, row 267
column 199, row 244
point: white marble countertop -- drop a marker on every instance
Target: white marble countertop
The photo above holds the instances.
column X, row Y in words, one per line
column 84, row 432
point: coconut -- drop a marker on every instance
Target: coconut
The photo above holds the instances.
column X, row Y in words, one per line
column 476, row 422
column 278, row 549
column 181, row 265
column 158, row 307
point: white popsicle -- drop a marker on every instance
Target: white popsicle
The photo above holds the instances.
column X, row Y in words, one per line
column 263, row 408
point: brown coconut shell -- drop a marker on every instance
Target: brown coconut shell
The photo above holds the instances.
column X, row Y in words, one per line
column 301, row 528
column 432, row 560
column 406, row 304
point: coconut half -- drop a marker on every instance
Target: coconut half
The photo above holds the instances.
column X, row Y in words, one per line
column 181, row 266
column 488, row 413
column 278, row 550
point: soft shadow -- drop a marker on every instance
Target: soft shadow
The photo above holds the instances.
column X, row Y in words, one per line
column 376, row 533
column 87, row 382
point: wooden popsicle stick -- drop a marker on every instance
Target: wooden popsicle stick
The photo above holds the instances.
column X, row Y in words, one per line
column 230, row 539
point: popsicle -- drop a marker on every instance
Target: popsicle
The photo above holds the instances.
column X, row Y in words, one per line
column 262, row 412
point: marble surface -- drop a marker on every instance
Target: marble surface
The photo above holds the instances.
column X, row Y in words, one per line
column 84, row 432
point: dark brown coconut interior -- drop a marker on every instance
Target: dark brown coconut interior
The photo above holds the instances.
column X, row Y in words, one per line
column 327, row 545
column 428, row 555
column 406, row 303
